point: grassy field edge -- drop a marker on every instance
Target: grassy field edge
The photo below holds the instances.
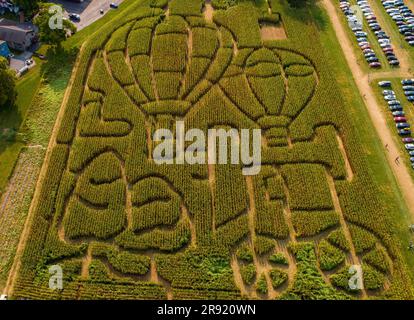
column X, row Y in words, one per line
column 378, row 165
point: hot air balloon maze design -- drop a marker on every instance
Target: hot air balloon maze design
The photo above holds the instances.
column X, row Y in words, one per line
column 155, row 71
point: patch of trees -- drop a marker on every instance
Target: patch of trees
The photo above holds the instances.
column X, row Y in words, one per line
column 7, row 85
column 52, row 28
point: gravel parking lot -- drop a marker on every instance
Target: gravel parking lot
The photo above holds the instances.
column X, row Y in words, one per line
column 88, row 10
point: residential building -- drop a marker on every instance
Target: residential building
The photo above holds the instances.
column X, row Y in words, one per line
column 19, row 36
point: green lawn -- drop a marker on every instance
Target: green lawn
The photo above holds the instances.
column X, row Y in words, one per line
column 375, row 152
column 12, row 118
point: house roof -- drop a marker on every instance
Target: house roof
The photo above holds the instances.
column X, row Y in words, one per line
column 13, row 31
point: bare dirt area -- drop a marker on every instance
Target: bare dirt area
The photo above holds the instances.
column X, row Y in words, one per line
column 362, row 80
column 272, row 32
column 208, row 11
column 349, row 172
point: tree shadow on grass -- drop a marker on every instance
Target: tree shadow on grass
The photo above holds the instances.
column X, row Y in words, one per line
column 319, row 15
column 57, row 59
column 312, row 12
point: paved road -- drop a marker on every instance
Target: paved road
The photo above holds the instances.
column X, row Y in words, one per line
column 400, row 172
column 88, row 10
column 19, row 61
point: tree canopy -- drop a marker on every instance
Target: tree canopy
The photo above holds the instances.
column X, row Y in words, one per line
column 28, row 5
column 7, row 84
column 52, row 36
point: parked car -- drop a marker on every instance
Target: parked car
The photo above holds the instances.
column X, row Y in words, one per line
column 408, row 140
column 384, row 41
column 409, row 146
column 113, row 5
column 74, row 17
column 369, row 55
column 365, row 51
column 400, row 119
column 396, row 108
column 390, row 97
column 398, row 113
column 375, row 65
column 384, row 84
column 402, row 125
column 361, row 34
column 404, row 132
column 394, row 102
column 407, row 82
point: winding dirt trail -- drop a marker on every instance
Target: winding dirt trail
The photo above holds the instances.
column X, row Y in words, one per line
column 208, row 11
column 337, row 205
column 362, row 80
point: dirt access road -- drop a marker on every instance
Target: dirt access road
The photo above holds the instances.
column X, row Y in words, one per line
column 400, row 171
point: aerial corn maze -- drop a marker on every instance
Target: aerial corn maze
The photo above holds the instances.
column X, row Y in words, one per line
column 122, row 226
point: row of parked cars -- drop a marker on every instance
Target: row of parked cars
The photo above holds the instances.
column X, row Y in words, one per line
column 361, row 36
column 397, row 111
column 402, row 16
column 382, row 37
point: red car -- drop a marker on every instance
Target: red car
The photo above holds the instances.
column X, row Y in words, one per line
column 408, row 140
column 400, row 119
column 365, row 46
column 375, row 65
